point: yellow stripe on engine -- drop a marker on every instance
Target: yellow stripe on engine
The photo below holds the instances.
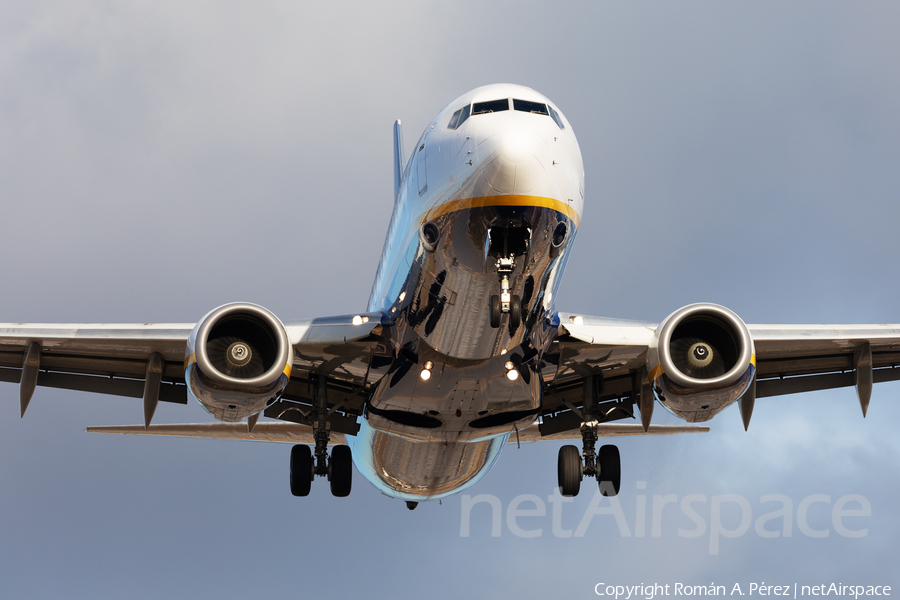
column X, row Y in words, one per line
column 656, row 373
column 753, row 359
column 506, row 200
column 287, row 370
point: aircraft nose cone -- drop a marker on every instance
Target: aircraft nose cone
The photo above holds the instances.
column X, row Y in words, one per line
column 517, row 145
column 516, row 168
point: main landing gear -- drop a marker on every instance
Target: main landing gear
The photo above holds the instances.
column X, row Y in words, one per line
column 305, row 466
column 339, row 470
column 606, row 466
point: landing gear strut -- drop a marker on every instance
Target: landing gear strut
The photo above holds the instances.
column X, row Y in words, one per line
column 506, row 303
column 606, row 467
column 305, row 464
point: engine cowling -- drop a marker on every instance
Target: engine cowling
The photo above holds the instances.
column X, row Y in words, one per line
column 237, row 361
column 704, row 360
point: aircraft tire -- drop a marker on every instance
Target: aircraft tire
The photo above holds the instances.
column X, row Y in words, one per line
column 301, row 470
column 610, row 470
column 495, row 311
column 341, row 471
column 515, row 313
column 569, row 471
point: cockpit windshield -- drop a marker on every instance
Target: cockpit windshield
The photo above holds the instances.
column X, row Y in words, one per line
column 537, row 108
column 482, row 108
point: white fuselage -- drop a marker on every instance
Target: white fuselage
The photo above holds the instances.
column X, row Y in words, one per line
column 503, row 181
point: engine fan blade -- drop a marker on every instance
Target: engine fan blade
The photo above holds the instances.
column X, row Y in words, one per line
column 697, row 358
column 229, row 355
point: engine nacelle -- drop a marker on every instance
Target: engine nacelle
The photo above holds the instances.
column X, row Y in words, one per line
column 703, row 360
column 238, row 361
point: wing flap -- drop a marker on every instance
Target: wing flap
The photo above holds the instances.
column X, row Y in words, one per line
column 533, row 434
column 263, row 432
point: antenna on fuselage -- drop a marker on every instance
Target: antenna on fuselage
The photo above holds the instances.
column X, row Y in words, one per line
column 398, row 157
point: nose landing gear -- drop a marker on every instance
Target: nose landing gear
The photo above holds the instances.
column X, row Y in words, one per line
column 506, row 303
column 507, row 239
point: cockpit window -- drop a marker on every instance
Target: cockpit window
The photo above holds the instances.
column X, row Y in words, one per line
column 480, row 108
column 459, row 117
column 555, row 116
column 537, row 108
column 464, row 114
column 454, row 120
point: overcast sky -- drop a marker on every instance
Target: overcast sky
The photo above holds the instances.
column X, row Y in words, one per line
column 158, row 159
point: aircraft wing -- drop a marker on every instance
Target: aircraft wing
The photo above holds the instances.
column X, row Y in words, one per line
column 116, row 359
column 789, row 358
column 293, row 433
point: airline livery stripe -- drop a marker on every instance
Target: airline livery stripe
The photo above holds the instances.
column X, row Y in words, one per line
column 509, row 200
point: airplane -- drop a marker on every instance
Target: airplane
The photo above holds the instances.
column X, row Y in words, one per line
column 460, row 350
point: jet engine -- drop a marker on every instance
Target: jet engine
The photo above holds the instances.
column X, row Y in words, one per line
column 238, row 361
column 703, row 361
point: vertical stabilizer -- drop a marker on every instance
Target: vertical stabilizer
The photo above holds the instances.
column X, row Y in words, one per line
column 398, row 157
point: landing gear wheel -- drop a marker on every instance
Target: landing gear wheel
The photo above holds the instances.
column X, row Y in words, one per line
column 569, row 471
column 340, row 471
column 495, row 311
column 515, row 313
column 301, row 470
column 610, row 470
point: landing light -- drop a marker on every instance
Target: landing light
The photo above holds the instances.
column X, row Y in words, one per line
column 509, row 365
column 357, row 320
column 578, row 320
column 512, row 374
column 402, row 296
column 425, row 373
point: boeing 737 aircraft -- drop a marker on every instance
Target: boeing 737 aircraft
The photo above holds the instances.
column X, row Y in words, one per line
column 460, row 349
